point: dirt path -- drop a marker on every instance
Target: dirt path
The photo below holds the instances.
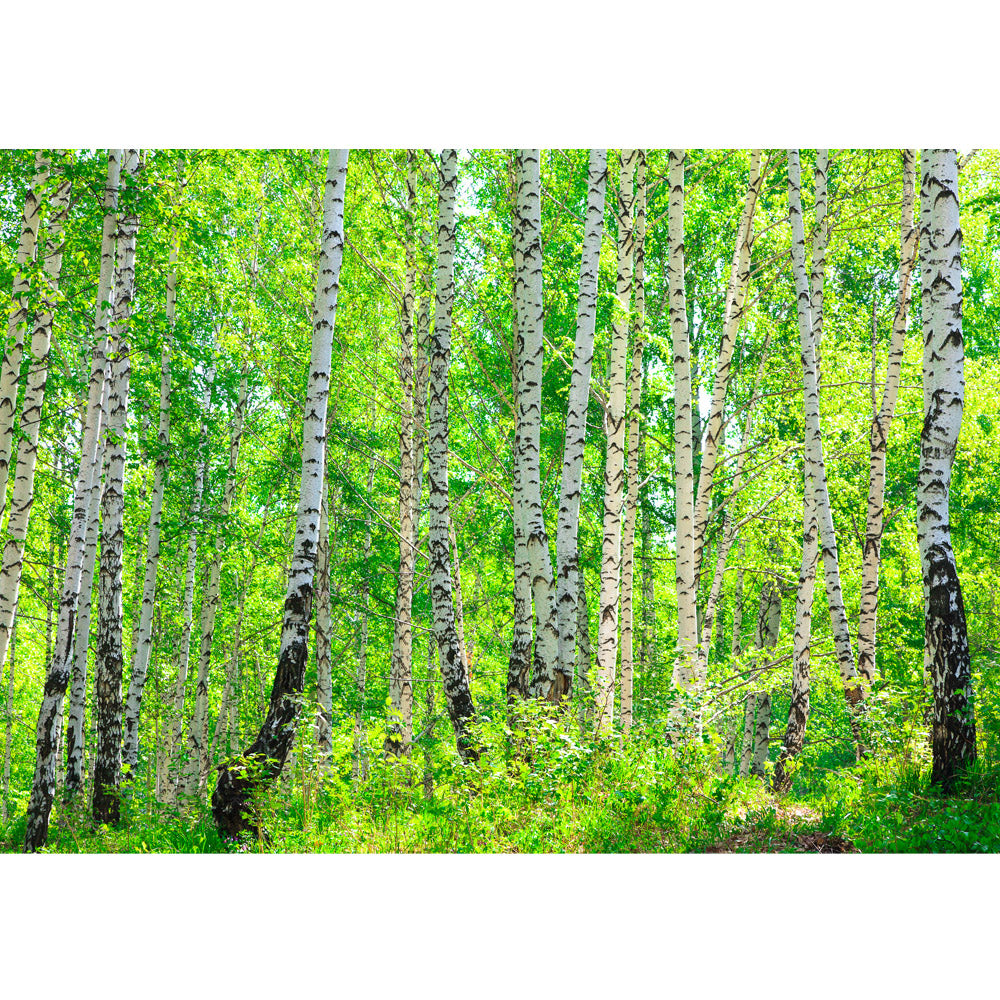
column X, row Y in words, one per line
column 785, row 829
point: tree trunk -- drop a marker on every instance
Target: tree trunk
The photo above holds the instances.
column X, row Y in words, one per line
column 635, row 403
column 737, row 648
column 685, row 673
column 360, row 765
column 583, row 651
column 614, row 469
column 881, row 424
column 85, row 493
column 324, row 631
column 8, row 742
column 109, row 649
column 458, row 698
column 568, row 529
column 945, row 636
column 144, row 635
column 810, row 316
column 761, row 734
column 264, row 758
column 746, row 756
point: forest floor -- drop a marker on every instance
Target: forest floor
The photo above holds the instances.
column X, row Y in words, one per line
column 787, row 829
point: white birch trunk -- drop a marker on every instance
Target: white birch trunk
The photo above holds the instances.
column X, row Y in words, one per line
column 268, row 751
column 635, row 403
column 19, row 320
column 144, row 635
column 85, row 495
column 324, row 632
column 547, row 681
column 746, row 756
column 946, row 638
column 685, row 670
column 568, row 529
column 8, row 742
column 761, row 734
column 881, row 424
column 109, row 649
column 458, row 698
column 614, row 469
column 810, row 316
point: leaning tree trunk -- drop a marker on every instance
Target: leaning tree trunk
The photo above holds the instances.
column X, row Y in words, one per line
column 18, row 323
column 632, row 468
column 547, row 680
column 197, row 763
column 31, row 419
column 84, row 511
column 144, row 635
column 945, row 635
column 881, row 423
column 399, row 728
column 458, row 698
column 265, row 757
column 614, row 468
column 109, row 650
column 568, row 529
column 798, row 710
column 809, row 305
column 685, row 671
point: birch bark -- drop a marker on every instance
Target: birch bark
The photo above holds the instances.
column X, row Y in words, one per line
column 264, row 758
column 109, row 650
column 881, row 424
column 568, row 529
column 458, row 698
column 324, row 631
column 945, row 636
column 614, row 469
column 810, row 316
column 635, row 403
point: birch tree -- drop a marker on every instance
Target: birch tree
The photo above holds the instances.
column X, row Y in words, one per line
column 109, row 652
column 809, row 306
column 265, row 757
column 881, row 424
column 953, row 736
column 458, row 698
column 614, row 469
column 85, row 492
column 567, row 531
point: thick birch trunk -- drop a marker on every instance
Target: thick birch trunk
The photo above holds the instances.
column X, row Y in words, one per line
column 945, row 637
column 197, row 763
column 109, row 648
column 22, row 496
column 144, row 635
column 685, row 671
column 458, row 698
column 881, row 424
column 739, row 279
column 583, row 652
column 264, row 758
column 761, row 734
column 632, row 471
column 746, row 756
column 614, row 469
column 568, row 529
column 85, row 495
column 798, row 711
column 399, row 729
column 810, row 315
column 18, row 323
column 547, row 681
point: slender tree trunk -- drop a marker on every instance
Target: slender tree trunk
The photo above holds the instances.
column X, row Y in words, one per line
column 197, row 764
column 109, row 649
column 18, row 323
column 761, row 734
column 360, row 765
column 547, row 681
column 635, row 403
column 8, row 742
column 583, row 651
column 614, row 469
column 685, row 674
column 85, row 495
column 739, row 279
column 798, row 711
column 266, row 755
column 144, row 635
column 737, row 648
column 881, row 424
column 810, row 315
column 946, row 636
column 31, row 418
column 568, row 530
column 458, row 698
column 746, row 756
column 324, row 632
column 399, row 729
